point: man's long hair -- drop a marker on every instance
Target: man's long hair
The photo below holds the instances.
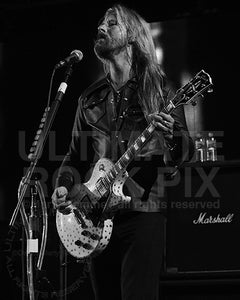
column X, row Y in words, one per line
column 145, row 66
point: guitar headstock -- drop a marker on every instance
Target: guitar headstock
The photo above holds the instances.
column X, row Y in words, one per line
column 190, row 92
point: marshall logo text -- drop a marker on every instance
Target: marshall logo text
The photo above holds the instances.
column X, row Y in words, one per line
column 204, row 219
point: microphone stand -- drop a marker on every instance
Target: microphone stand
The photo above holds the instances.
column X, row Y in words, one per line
column 34, row 156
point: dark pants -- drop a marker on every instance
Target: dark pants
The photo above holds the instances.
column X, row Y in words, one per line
column 129, row 268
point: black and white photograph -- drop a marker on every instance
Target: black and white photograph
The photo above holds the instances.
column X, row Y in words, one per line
column 120, row 159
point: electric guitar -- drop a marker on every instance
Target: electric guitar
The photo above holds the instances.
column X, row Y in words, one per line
column 85, row 226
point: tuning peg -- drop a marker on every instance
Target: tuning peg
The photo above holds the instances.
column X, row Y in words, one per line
column 210, row 90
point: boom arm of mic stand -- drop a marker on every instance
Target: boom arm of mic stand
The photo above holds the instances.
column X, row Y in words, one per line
column 41, row 141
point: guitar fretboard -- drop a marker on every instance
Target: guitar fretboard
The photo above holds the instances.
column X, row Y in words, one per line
column 126, row 158
column 130, row 153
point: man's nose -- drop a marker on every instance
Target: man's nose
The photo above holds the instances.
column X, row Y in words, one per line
column 102, row 28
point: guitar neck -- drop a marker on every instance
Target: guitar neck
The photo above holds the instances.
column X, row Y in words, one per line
column 138, row 144
column 189, row 93
column 127, row 157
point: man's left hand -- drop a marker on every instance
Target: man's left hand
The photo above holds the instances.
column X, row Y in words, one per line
column 164, row 123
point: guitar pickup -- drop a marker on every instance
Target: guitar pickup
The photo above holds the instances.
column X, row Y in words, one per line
column 79, row 218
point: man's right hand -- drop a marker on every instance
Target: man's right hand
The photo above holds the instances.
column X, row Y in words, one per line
column 59, row 198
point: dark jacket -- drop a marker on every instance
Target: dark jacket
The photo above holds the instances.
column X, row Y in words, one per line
column 106, row 124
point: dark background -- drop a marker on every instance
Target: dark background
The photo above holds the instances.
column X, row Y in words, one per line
column 35, row 35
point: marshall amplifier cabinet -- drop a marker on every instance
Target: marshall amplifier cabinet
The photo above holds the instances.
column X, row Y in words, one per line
column 203, row 219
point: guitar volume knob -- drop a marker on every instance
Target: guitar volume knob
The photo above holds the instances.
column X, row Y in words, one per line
column 87, row 246
column 78, row 243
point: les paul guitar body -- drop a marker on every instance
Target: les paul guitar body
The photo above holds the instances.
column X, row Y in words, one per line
column 85, row 226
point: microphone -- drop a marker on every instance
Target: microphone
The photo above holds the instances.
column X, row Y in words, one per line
column 74, row 57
